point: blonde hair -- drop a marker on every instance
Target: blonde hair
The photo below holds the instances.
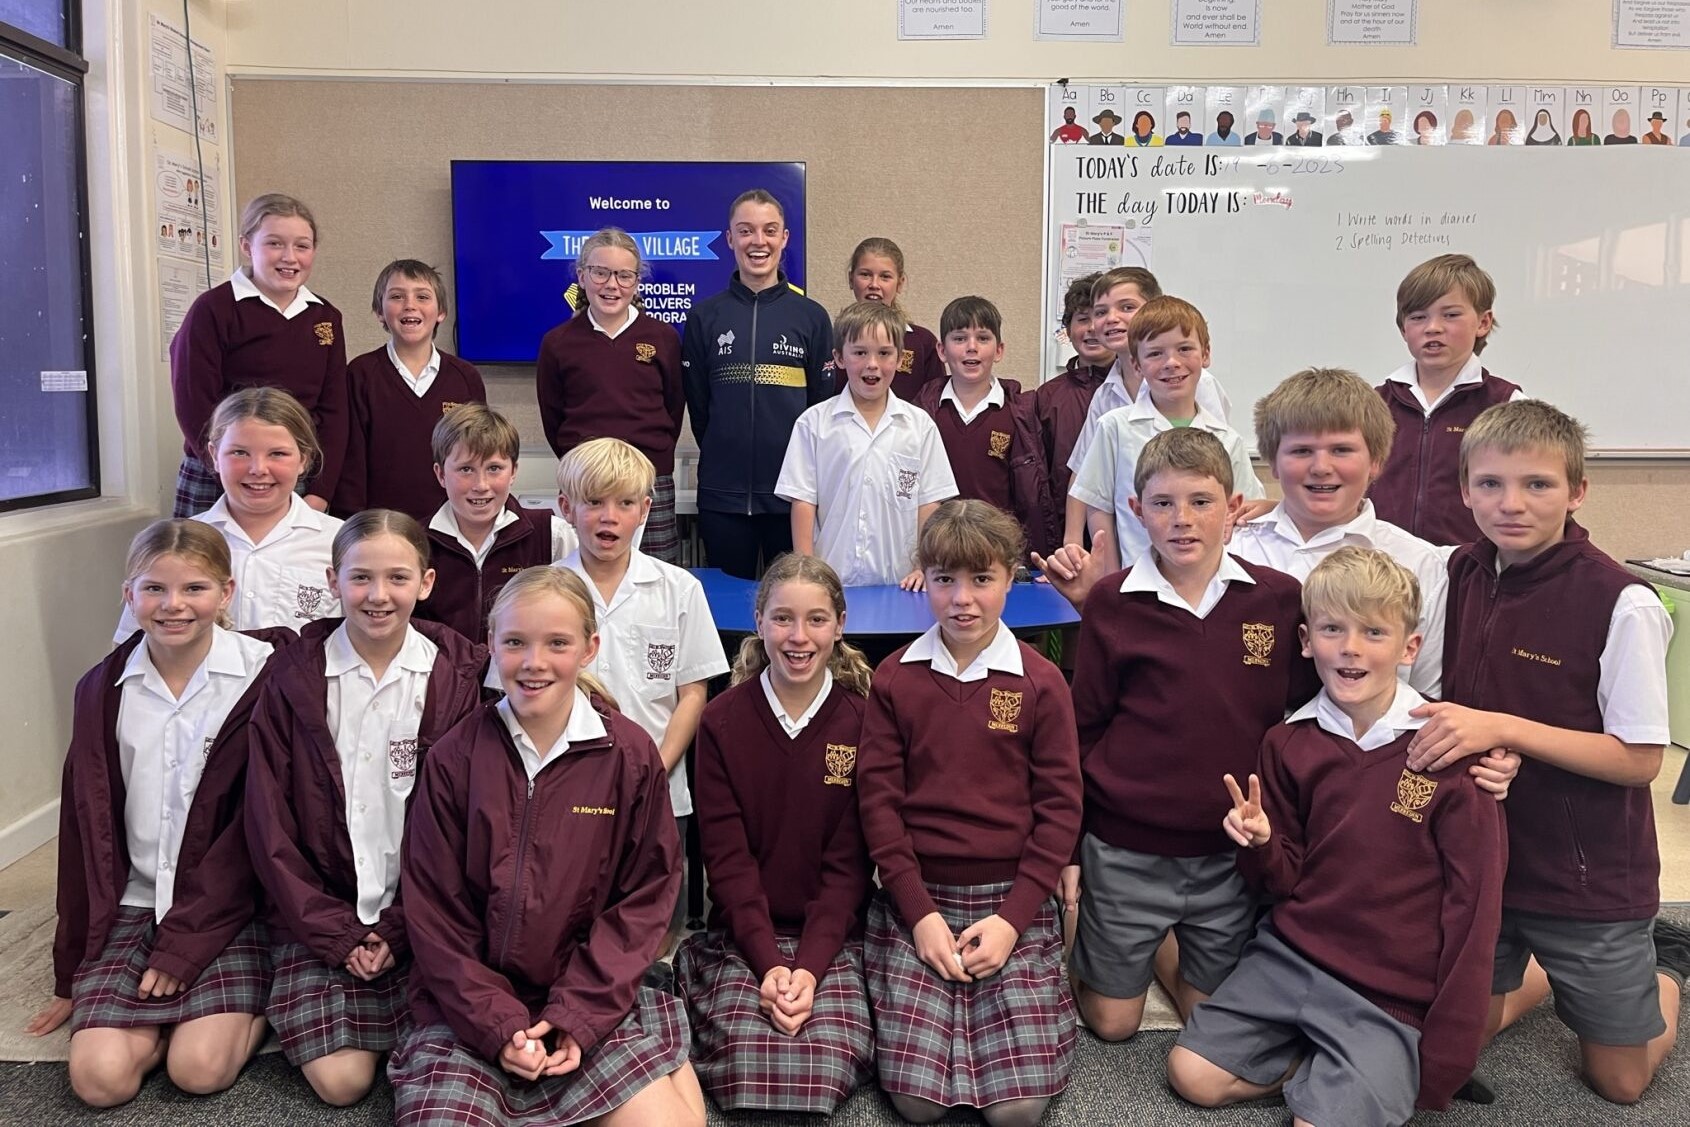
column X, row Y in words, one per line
column 260, row 208
column 1324, row 401
column 1363, row 585
column 558, row 582
column 1527, row 424
column 1165, row 315
column 970, row 535
column 850, row 668
column 1184, row 450
column 273, row 407
column 856, row 319
column 191, row 540
column 1429, row 281
column 605, row 238
column 604, row 467
column 369, row 524
column 482, row 431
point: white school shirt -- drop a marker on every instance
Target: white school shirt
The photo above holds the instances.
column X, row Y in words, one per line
column 1002, row 653
column 1105, row 480
column 584, row 724
column 375, row 727
column 993, row 398
column 1273, row 540
column 867, row 485
column 1146, row 576
column 1112, row 393
column 162, row 744
column 280, row 581
column 445, row 520
column 789, row 724
column 244, row 288
column 1471, row 372
column 1387, row 728
column 655, row 635
column 618, row 330
column 421, row 382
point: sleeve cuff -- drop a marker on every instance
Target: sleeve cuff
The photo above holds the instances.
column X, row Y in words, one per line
column 912, row 898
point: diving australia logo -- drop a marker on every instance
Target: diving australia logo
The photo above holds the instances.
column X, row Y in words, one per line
column 786, row 348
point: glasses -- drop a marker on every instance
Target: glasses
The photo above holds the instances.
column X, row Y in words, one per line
column 601, row 275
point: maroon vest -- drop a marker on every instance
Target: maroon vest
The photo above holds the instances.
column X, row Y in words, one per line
column 1528, row 642
column 1420, row 488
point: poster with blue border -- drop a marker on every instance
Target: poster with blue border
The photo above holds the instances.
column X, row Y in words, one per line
column 518, row 225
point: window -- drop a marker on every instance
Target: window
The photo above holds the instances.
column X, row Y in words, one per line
column 48, row 443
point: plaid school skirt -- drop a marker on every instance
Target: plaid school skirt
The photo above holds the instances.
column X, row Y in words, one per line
column 439, row 1082
column 743, row 1061
column 662, row 536
column 317, row 1009
column 103, row 991
column 197, row 487
column 1007, row 1037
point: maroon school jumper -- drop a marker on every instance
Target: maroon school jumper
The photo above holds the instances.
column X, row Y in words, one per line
column 463, row 593
column 225, row 345
column 390, row 438
column 999, row 458
column 1388, row 880
column 537, row 900
column 216, row 892
column 1152, row 757
column 1529, row 642
column 591, row 385
column 778, row 825
column 1420, row 489
column 296, row 796
column 1061, row 404
column 969, row 783
column 919, row 365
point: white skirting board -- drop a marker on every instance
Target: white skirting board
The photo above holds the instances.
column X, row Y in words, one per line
column 29, row 833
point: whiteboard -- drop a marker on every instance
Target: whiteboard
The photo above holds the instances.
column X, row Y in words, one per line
column 1294, row 256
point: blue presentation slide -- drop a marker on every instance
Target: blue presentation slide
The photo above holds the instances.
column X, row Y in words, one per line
column 518, row 225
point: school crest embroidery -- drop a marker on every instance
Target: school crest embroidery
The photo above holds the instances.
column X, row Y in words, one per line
column 310, row 602
column 906, row 483
column 906, row 360
column 447, row 406
column 205, row 751
column 841, row 759
column 644, row 353
column 659, row 659
column 325, row 332
column 1258, row 643
column 1000, row 444
column 1006, row 709
column 1413, row 793
column 402, row 758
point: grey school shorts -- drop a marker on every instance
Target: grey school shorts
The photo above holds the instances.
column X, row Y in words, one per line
column 1360, row 1066
column 1129, row 901
column 1603, row 973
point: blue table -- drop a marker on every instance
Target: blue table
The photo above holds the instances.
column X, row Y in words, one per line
column 884, row 612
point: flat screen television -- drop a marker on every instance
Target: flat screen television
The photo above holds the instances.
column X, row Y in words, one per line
column 517, row 226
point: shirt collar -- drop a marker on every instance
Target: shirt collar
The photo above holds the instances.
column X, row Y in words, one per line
column 339, row 656
column 245, row 288
column 1387, row 728
column 300, row 515
column 1145, row 577
column 584, row 724
column 1362, row 526
column 224, row 659
column 795, row 724
column 432, row 368
column 896, row 408
column 633, row 311
column 445, row 520
column 1002, row 653
column 994, row 397
column 1471, row 372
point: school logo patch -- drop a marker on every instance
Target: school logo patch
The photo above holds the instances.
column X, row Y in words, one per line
column 325, row 332
column 906, row 360
column 906, row 483
column 725, row 343
column 1258, row 643
column 447, row 406
column 841, row 759
column 644, row 353
column 659, row 660
column 1000, row 444
column 402, row 759
column 205, row 751
column 1006, row 709
column 311, row 602
column 1413, row 793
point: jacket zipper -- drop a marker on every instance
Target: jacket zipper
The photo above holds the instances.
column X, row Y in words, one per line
column 516, row 891
column 751, row 462
column 1578, row 844
column 1420, row 474
column 1485, row 626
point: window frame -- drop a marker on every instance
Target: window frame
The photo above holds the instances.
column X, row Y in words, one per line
column 68, row 65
